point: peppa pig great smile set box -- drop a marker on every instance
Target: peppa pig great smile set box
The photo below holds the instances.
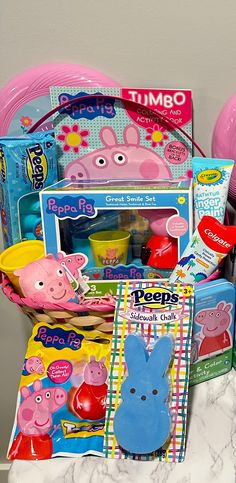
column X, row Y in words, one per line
column 213, row 330
column 104, row 137
column 124, row 229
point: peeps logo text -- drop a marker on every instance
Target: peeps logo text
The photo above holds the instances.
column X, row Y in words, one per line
column 37, row 167
column 3, row 166
column 59, row 338
column 123, row 273
column 157, row 298
column 87, row 108
column 71, row 207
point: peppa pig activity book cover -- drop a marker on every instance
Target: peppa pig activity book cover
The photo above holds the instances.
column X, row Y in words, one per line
column 106, row 138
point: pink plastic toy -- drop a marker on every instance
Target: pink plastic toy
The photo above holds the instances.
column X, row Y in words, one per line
column 224, row 141
column 89, row 400
column 34, row 419
column 45, row 281
column 119, row 161
column 26, row 98
column 34, row 365
column 215, row 323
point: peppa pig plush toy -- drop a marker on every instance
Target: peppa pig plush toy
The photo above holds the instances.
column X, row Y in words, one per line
column 45, row 281
column 161, row 251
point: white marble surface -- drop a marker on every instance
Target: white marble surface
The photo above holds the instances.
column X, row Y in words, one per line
column 210, row 455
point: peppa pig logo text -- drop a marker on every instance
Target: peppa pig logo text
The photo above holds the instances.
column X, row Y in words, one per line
column 59, row 338
column 88, row 108
column 71, row 207
column 123, row 273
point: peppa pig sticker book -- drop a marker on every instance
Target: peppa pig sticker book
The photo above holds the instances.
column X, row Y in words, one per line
column 105, row 138
column 213, row 330
column 148, row 382
column 123, row 229
column 61, row 401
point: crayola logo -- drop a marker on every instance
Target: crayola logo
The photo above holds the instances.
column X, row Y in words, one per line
column 37, row 167
column 209, row 176
column 3, row 166
column 156, row 298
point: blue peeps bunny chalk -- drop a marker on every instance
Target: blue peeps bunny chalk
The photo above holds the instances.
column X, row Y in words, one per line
column 142, row 422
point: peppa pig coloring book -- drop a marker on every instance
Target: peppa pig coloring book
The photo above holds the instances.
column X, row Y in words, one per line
column 105, row 138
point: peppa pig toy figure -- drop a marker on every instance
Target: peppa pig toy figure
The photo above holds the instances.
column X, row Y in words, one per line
column 34, row 419
column 45, row 281
column 215, row 322
column 161, row 251
column 119, row 161
column 89, row 400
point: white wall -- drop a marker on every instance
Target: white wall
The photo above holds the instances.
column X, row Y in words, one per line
column 169, row 43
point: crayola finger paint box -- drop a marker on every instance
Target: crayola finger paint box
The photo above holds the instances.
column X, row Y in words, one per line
column 27, row 165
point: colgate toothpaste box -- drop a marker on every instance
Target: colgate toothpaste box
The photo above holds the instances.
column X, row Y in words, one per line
column 27, row 165
column 105, row 138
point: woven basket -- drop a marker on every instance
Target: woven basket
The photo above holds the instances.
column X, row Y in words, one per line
column 89, row 314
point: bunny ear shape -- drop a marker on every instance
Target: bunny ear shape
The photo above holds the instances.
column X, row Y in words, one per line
column 136, row 354
column 161, row 355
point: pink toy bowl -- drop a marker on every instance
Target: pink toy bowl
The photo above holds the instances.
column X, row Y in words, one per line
column 91, row 314
column 224, row 141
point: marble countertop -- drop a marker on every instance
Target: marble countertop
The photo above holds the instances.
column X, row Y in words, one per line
column 210, row 454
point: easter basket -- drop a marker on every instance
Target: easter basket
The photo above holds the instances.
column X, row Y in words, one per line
column 97, row 313
column 89, row 313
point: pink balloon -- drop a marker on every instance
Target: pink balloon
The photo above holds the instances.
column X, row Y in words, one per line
column 224, row 141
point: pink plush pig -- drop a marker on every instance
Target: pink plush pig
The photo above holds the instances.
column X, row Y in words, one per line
column 34, row 419
column 45, row 281
column 215, row 322
column 119, row 161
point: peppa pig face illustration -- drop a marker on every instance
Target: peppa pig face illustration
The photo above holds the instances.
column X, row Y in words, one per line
column 215, row 321
column 34, row 415
column 74, row 262
column 45, row 281
column 111, row 253
column 119, row 161
column 34, row 365
column 95, row 372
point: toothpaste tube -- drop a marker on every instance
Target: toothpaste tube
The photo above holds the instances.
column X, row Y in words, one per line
column 210, row 187
column 211, row 242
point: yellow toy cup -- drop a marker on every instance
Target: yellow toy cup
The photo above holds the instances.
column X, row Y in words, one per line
column 110, row 247
column 18, row 256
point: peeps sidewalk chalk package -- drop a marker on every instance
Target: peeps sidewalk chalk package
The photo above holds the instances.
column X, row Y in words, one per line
column 27, row 165
column 123, row 229
column 213, row 330
column 104, row 138
column 61, row 402
column 148, row 383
